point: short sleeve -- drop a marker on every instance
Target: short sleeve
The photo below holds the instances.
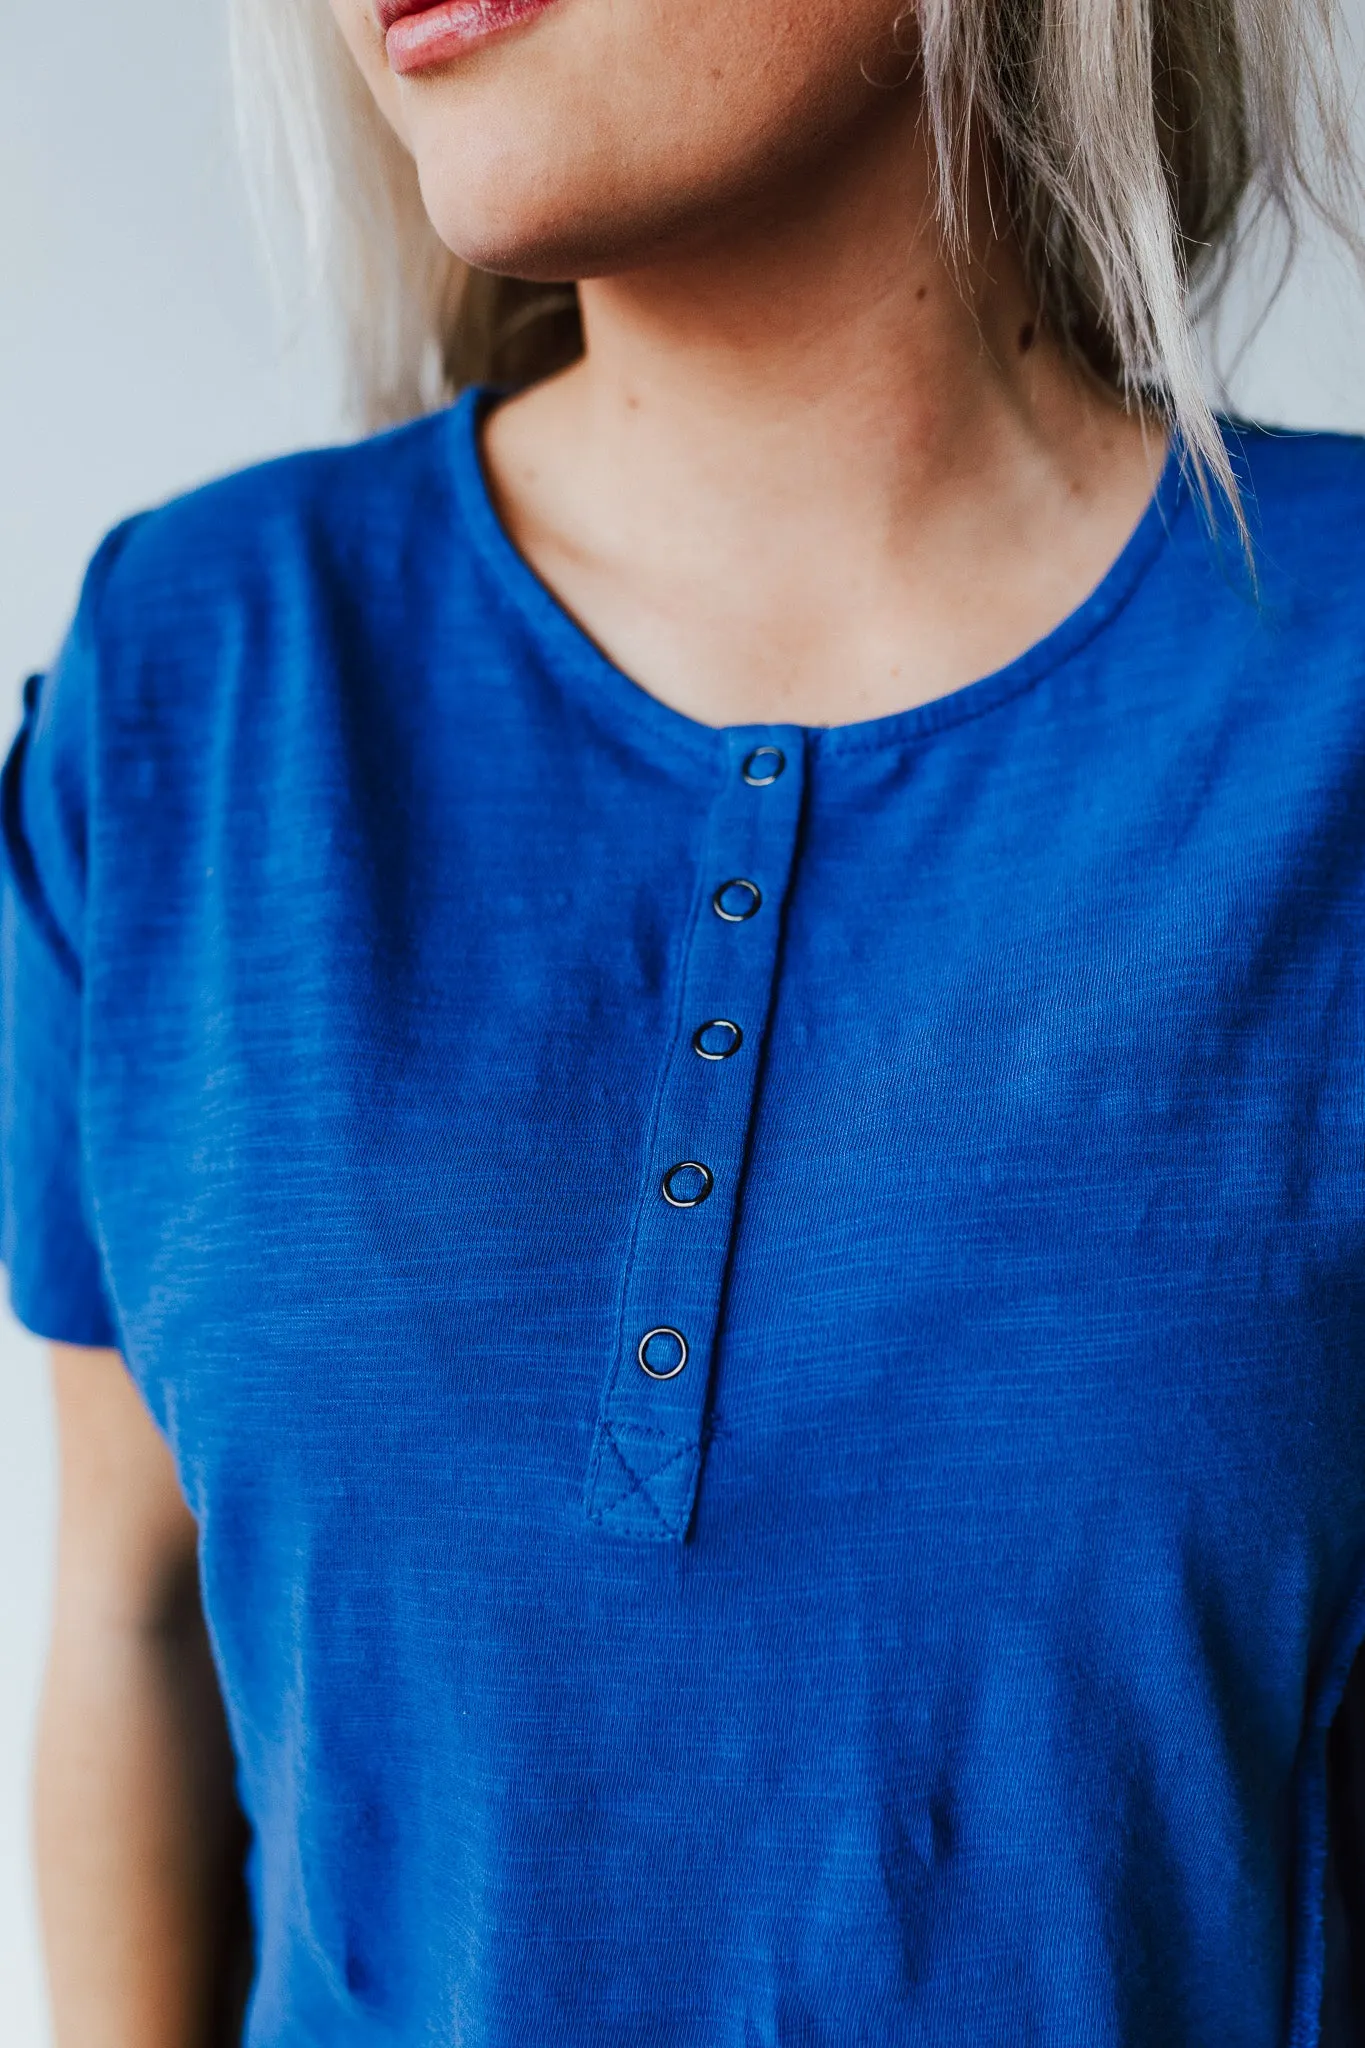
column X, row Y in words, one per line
column 48, row 1243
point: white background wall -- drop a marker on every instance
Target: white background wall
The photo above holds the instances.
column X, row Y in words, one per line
column 139, row 354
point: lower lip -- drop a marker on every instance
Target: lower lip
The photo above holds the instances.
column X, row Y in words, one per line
column 438, row 34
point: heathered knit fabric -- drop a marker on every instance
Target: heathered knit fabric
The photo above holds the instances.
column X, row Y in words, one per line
column 940, row 1658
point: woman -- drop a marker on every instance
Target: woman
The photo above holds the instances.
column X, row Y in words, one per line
column 697, row 1028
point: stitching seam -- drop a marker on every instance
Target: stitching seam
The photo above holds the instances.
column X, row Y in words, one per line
column 640, row 1483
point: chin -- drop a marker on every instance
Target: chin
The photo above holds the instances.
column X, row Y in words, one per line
column 543, row 216
column 518, row 231
column 607, row 131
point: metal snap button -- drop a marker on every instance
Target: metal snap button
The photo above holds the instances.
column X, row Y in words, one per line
column 731, row 1041
column 763, row 767
column 700, row 1183
column 744, row 898
column 657, row 1372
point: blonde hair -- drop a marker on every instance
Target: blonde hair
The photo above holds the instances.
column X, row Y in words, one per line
column 1137, row 141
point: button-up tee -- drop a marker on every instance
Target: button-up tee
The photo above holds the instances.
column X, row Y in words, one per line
column 765, row 1327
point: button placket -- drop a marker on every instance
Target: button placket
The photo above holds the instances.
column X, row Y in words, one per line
column 646, row 1454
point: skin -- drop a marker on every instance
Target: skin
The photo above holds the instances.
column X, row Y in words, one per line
column 138, row 1838
column 885, row 479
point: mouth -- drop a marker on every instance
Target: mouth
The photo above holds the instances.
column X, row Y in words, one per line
column 416, row 37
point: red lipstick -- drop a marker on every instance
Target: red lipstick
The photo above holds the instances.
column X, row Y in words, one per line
column 417, row 37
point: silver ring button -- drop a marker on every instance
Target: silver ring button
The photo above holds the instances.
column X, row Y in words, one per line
column 701, row 1187
column 763, row 767
column 657, row 1372
column 731, row 1042
column 737, row 900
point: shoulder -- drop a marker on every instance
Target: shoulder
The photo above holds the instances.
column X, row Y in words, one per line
column 259, row 623
column 251, row 614
column 280, row 533
column 1304, row 496
column 1301, row 615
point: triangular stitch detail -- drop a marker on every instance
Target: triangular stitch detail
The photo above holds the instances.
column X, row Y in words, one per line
column 641, row 1481
column 640, row 1484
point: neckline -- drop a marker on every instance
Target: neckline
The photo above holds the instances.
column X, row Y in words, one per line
column 575, row 654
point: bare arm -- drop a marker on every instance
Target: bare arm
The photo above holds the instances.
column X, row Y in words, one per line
column 139, row 1840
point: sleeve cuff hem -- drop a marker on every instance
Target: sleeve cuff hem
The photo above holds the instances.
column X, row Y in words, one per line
column 63, row 1321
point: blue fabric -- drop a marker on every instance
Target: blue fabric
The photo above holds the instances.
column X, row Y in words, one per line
column 942, row 1655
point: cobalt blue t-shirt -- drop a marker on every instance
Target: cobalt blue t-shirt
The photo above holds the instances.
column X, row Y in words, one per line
column 766, row 1327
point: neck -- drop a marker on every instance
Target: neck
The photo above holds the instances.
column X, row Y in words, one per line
column 829, row 417
column 838, row 337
